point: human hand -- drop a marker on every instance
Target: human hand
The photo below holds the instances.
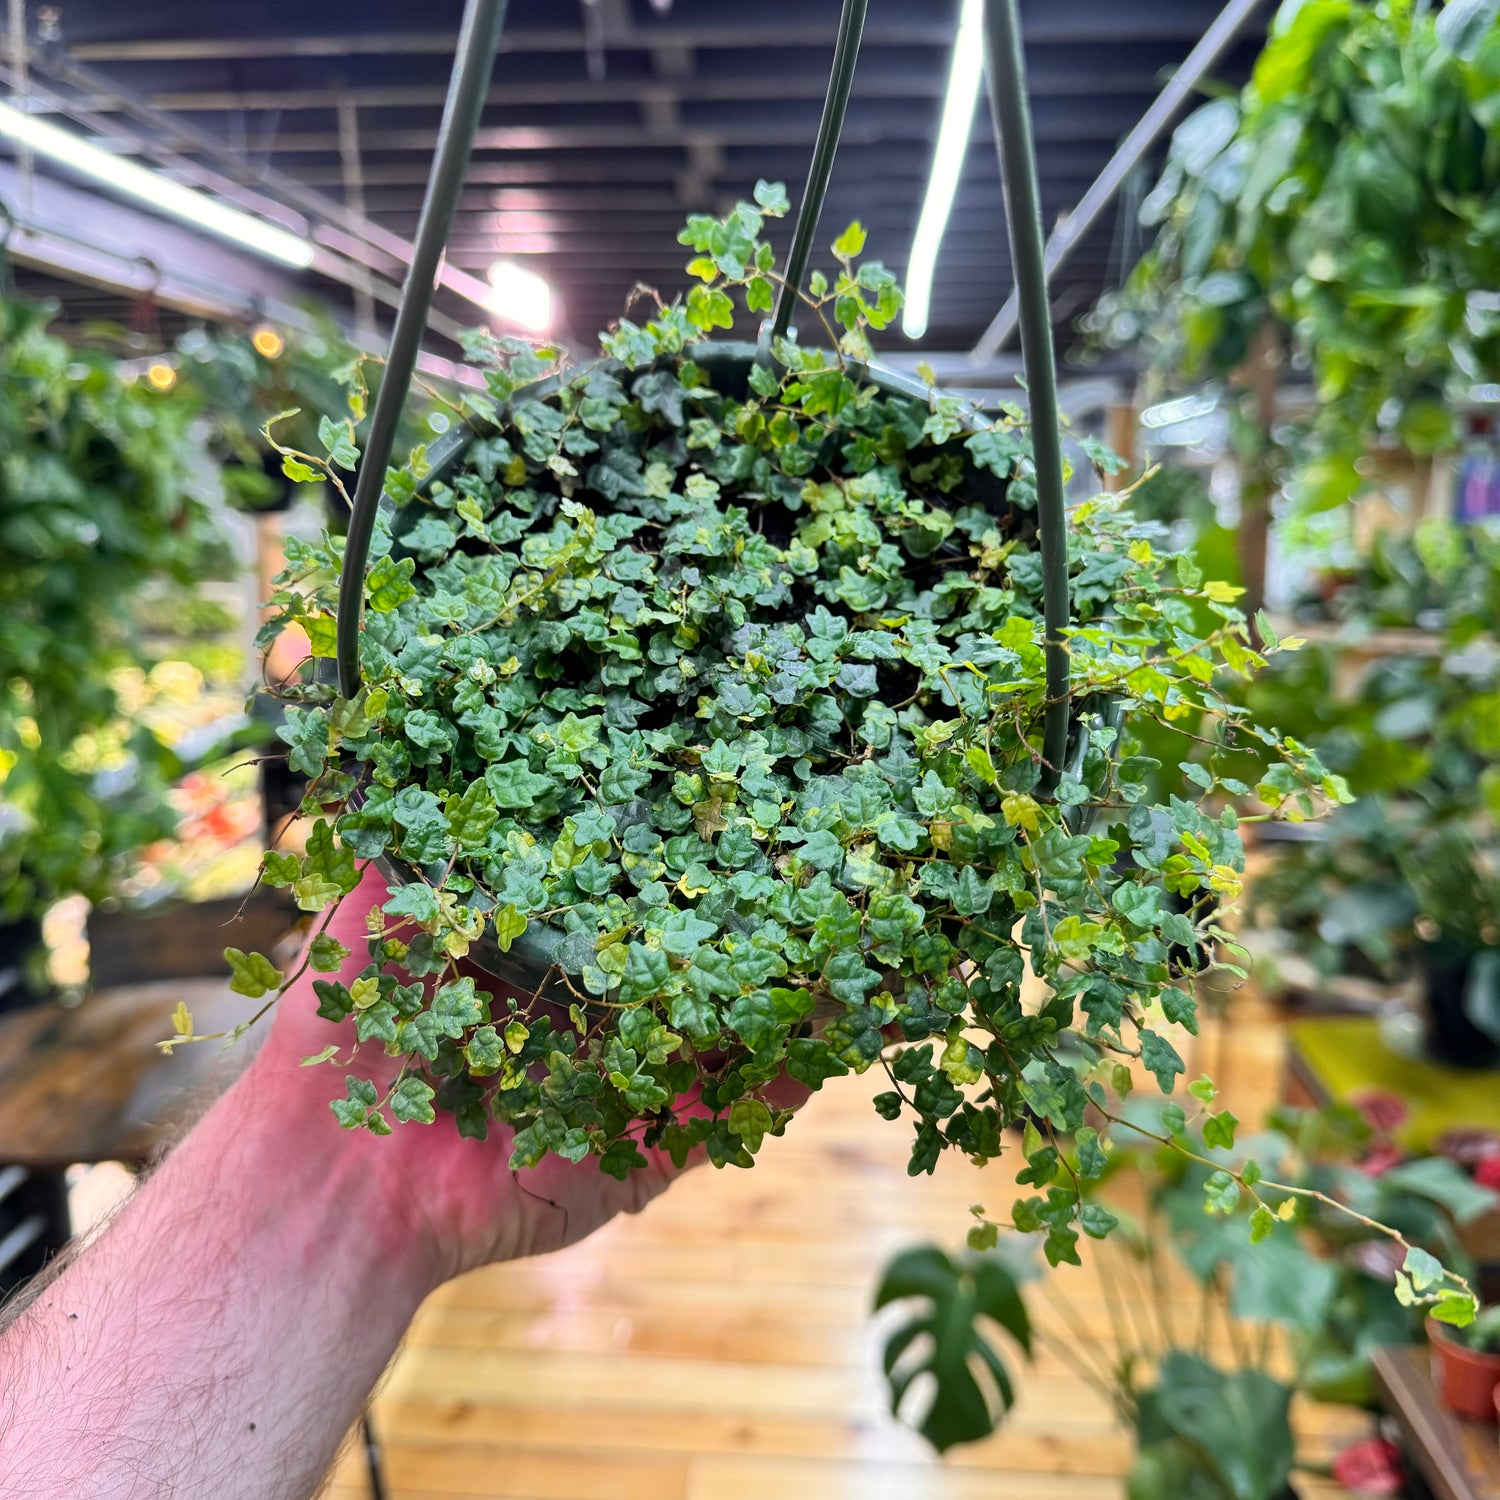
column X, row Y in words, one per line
column 452, row 1202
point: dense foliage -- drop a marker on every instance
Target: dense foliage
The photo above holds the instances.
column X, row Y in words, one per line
column 104, row 489
column 1350, row 194
column 1210, row 1416
column 1415, row 731
column 716, row 681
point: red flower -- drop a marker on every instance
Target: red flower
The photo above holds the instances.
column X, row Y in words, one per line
column 1370, row 1467
column 1379, row 1159
column 1487, row 1173
column 1383, row 1112
column 1468, row 1146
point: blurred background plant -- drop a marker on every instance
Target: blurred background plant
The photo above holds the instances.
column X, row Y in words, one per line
column 1345, row 204
column 1203, row 1374
column 106, row 492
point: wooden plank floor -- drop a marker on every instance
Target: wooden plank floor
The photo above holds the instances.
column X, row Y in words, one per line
column 720, row 1346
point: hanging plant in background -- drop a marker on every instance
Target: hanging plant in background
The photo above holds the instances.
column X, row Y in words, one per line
column 708, row 689
column 1349, row 198
column 104, row 489
column 286, row 377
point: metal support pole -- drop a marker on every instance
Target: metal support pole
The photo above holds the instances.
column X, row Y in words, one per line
column 352, row 166
column 1211, row 45
column 478, row 41
column 20, row 60
column 1005, row 74
column 830, row 127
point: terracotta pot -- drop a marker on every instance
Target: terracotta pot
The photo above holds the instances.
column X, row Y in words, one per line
column 1468, row 1382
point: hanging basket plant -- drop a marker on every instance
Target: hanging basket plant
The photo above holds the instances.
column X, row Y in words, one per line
column 702, row 701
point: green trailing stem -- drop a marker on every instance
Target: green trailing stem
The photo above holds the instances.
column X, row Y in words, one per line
column 1005, row 72
column 845, row 54
column 477, row 44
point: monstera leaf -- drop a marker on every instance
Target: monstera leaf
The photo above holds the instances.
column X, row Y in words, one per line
column 1209, row 1435
column 944, row 1338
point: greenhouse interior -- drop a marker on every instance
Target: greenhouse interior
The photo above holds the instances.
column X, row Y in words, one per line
column 750, row 753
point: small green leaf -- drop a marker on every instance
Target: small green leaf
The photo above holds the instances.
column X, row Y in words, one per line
column 851, row 242
column 411, row 1102
column 326, row 954
column 1457, row 1309
column 254, row 974
column 1161, row 1059
column 1203, row 1089
column 1425, row 1269
column 388, row 584
column 772, row 197
column 299, row 472
column 1221, row 1193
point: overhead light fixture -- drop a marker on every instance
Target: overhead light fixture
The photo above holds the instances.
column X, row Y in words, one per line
column 964, row 76
column 154, row 189
column 519, row 295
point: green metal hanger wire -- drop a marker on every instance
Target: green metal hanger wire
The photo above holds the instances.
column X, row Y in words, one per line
column 830, row 129
column 1005, row 73
column 478, row 41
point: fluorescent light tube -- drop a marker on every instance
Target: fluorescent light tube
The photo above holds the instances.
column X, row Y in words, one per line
column 964, row 77
column 520, row 295
column 154, row 189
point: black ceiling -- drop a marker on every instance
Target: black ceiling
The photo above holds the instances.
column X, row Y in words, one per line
column 609, row 120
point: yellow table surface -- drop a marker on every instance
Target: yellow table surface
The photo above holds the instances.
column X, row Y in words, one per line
column 1348, row 1058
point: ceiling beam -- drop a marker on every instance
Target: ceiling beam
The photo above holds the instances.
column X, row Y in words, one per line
column 1070, row 126
column 870, row 166
column 1227, row 25
column 904, row 83
column 85, row 237
column 1100, row 21
column 350, row 248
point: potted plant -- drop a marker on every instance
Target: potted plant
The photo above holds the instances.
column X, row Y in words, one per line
column 1327, row 214
column 1453, row 871
column 1199, row 1429
column 1209, row 1414
column 701, row 701
column 99, row 499
column 1466, row 1365
column 1402, row 881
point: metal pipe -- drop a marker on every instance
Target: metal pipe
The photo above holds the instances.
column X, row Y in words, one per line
column 348, row 234
column 478, row 40
column 1210, row 47
column 830, row 128
column 354, row 197
column 1005, row 74
column 20, row 88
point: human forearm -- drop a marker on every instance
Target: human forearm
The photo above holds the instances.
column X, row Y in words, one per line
column 228, row 1327
column 225, row 1331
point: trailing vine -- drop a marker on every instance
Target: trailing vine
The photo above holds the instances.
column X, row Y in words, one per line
column 712, row 682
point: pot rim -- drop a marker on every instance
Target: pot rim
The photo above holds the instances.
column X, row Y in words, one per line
column 1439, row 1336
